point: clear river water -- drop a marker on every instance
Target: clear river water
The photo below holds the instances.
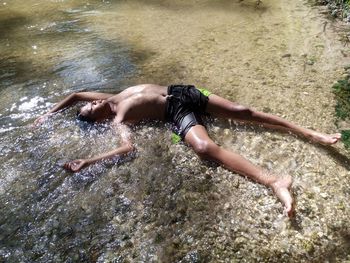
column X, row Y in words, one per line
column 163, row 204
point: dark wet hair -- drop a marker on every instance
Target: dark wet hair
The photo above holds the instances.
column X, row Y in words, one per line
column 83, row 118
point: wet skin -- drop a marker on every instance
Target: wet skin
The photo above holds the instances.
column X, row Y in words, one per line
column 129, row 106
column 97, row 110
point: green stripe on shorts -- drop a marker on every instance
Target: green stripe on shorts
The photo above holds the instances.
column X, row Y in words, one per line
column 205, row 92
column 175, row 138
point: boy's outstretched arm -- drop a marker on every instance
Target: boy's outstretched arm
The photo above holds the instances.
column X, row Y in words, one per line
column 71, row 100
column 125, row 147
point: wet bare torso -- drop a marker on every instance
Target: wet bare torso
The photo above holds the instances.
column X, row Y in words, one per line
column 139, row 102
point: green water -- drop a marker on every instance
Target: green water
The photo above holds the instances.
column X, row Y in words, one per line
column 163, row 204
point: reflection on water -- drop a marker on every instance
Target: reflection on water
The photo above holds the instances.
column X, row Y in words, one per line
column 105, row 64
column 162, row 204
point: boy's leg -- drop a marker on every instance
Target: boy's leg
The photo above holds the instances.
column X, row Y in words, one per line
column 220, row 107
column 198, row 138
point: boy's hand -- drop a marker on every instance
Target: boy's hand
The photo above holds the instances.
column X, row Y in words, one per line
column 76, row 165
column 40, row 120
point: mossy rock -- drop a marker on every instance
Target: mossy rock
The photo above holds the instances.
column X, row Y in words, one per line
column 345, row 137
column 342, row 91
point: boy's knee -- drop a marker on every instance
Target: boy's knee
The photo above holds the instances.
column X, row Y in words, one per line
column 204, row 148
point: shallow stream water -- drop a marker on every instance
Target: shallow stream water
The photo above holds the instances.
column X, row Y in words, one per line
column 162, row 204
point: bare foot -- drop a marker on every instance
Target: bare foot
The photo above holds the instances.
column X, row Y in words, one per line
column 325, row 139
column 281, row 189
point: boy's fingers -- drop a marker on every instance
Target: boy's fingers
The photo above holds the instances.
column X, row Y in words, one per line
column 68, row 166
column 73, row 166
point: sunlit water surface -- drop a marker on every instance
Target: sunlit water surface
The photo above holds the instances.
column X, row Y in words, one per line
column 162, row 204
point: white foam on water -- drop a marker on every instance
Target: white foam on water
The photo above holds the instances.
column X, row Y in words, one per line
column 2, row 130
column 30, row 104
column 7, row 179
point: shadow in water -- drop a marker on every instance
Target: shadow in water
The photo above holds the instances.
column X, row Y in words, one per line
column 96, row 64
column 247, row 6
column 9, row 24
column 341, row 158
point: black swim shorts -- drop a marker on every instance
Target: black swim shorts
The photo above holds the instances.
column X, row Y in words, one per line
column 185, row 106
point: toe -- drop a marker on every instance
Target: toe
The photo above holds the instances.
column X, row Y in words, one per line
column 288, row 211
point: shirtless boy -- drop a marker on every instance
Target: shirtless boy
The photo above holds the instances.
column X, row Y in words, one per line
column 183, row 106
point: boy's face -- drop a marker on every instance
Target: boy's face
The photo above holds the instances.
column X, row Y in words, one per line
column 94, row 110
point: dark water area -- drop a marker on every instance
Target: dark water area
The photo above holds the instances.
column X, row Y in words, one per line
column 161, row 203
column 51, row 52
column 46, row 53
